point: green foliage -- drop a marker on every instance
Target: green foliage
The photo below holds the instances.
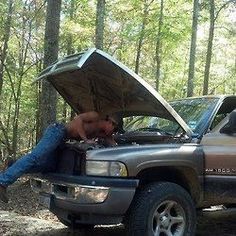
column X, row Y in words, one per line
column 123, row 24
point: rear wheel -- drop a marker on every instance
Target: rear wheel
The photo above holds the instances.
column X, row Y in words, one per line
column 161, row 209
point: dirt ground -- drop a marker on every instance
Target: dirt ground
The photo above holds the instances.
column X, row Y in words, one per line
column 23, row 216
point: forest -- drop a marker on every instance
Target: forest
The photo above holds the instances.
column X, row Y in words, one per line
column 182, row 48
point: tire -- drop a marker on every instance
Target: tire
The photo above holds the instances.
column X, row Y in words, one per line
column 164, row 209
column 76, row 225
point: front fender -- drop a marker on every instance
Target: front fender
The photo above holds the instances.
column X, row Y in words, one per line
column 189, row 156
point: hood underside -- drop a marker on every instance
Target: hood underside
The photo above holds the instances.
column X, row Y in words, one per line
column 95, row 81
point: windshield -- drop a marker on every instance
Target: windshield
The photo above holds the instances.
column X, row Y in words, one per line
column 159, row 125
column 195, row 112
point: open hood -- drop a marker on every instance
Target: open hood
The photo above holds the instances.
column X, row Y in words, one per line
column 94, row 80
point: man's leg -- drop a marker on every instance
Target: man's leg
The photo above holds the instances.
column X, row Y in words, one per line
column 39, row 159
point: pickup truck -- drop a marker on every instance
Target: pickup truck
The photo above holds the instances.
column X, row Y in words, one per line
column 170, row 159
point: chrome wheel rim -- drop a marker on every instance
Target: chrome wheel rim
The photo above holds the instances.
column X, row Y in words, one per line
column 168, row 219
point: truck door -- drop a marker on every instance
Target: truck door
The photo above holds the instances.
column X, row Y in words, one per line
column 220, row 164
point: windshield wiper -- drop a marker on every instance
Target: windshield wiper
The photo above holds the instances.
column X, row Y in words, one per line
column 153, row 129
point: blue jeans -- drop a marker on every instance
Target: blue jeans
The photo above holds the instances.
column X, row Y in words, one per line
column 41, row 159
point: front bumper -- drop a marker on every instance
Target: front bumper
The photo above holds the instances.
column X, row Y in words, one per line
column 94, row 200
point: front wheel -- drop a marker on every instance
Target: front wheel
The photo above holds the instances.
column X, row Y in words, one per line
column 161, row 209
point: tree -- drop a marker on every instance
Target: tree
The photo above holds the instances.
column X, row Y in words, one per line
column 213, row 18
column 209, row 47
column 163, row 45
column 70, row 50
column 158, row 46
column 6, row 35
column 100, row 24
column 142, row 33
column 191, row 70
column 17, row 67
column 51, row 46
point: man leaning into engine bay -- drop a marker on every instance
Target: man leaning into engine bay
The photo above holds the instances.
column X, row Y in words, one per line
column 85, row 127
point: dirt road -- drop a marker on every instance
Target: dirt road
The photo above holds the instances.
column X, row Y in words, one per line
column 11, row 224
column 23, row 216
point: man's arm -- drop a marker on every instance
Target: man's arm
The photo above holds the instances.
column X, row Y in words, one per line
column 75, row 127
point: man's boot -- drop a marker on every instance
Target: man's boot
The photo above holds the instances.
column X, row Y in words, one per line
column 3, row 194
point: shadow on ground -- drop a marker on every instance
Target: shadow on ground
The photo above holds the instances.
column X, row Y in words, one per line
column 215, row 223
column 39, row 221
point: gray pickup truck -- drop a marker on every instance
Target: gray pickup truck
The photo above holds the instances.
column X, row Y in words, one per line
column 170, row 159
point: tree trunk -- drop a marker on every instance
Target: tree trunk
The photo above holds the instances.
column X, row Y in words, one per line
column 100, row 24
column 141, row 38
column 209, row 47
column 16, row 86
column 213, row 18
column 191, row 70
column 69, row 40
column 51, row 46
column 159, row 47
column 6, row 36
column 70, row 50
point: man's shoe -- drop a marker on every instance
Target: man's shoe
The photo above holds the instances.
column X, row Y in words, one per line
column 3, row 194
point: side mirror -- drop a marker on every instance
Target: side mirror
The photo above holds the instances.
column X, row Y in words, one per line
column 230, row 127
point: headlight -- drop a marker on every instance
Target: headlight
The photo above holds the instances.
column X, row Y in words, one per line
column 106, row 168
column 88, row 195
